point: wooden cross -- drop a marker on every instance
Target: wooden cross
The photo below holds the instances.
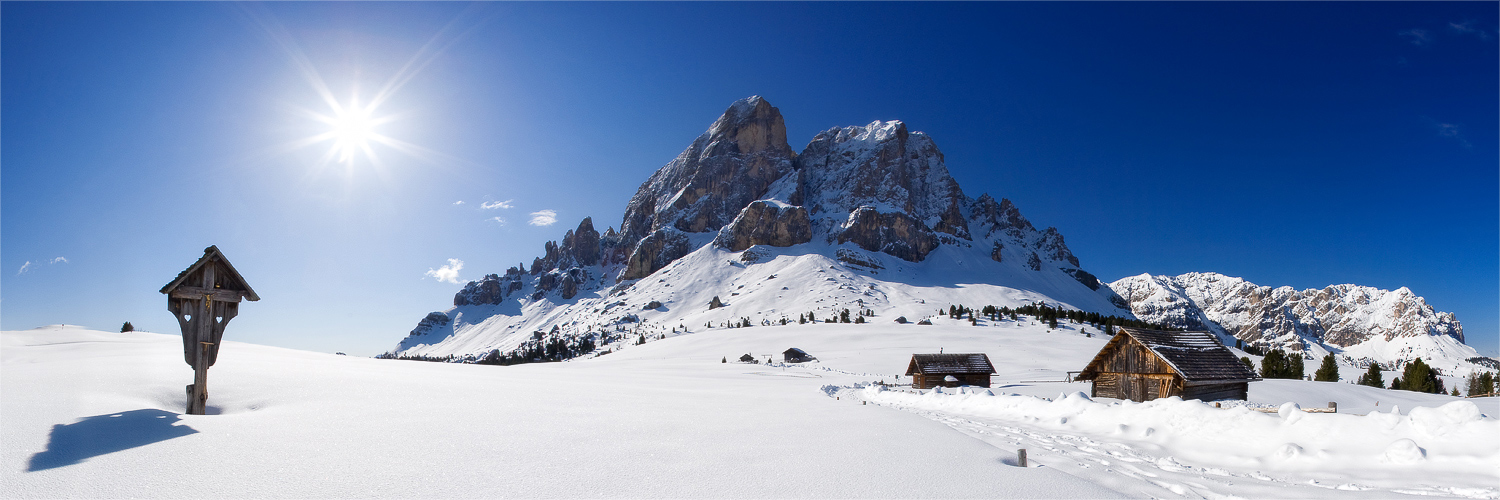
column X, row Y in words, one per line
column 204, row 297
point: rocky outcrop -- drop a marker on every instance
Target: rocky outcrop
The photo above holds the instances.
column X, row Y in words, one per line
column 896, row 234
column 492, row 289
column 766, row 223
column 581, row 246
column 433, row 321
column 654, row 252
column 726, row 168
column 1053, row 247
column 566, row 283
column 881, row 165
column 1003, row 217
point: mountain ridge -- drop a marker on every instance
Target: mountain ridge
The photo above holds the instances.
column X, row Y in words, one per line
column 868, row 199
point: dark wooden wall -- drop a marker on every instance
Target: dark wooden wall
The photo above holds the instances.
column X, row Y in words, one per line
column 925, row 381
column 1236, row 390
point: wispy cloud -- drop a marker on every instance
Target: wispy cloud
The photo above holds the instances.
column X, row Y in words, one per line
column 496, row 204
column 459, row 202
column 543, row 218
column 1452, row 131
column 24, row 267
column 1469, row 28
column 448, row 273
column 500, row 220
column 63, row 260
column 1417, row 36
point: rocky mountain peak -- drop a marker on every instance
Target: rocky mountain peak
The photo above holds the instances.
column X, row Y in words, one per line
column 706, row 186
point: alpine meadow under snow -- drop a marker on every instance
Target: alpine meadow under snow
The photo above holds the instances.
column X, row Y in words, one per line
column 626, row 377
column 97, row 414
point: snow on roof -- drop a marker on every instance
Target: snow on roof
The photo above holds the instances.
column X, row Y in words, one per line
column 1194, row 355
column 931, row 364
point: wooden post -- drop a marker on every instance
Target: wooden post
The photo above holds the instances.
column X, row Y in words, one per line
column 198, row 400
column 1021, row 457
column 1334, row 405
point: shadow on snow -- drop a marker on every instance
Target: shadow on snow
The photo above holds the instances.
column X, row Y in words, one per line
column 104, row 434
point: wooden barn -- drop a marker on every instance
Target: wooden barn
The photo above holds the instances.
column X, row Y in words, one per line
column 795, row 355
column 1142, row 365
column 931, row 370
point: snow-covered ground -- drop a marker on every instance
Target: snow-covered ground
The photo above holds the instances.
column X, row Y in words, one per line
column 97, row 414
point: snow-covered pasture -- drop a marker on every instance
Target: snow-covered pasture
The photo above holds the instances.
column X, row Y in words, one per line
column 97, row 414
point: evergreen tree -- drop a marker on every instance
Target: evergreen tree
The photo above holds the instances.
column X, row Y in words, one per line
column 1294, row 364
column 725, row 360
column 1396, row 383
column 1275, row 365
column 1372, row 376
column 1419, row 377
column 1329, row 371
column 1248, row 364
column 127, row 327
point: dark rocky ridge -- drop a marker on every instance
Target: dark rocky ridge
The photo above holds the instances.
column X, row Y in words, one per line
column 880, row 187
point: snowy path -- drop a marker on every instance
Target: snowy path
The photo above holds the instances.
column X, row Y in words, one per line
column 1127, row 460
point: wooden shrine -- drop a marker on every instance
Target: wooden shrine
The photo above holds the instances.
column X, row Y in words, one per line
column 204, row 297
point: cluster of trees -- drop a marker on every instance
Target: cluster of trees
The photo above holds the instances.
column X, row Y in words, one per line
column 1419, row 377
column 1480, row 384
column 1049, row 315
column 842, row 316
column 1279, row 364
column 127, row 327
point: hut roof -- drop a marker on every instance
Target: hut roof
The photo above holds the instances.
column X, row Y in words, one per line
column 1194, row 355
column 794, row 352
column 949, row 363
column 212, row 254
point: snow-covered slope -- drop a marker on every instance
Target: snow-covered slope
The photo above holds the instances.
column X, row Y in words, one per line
column 1360, row 323
column 866, row 218
column 97, row 415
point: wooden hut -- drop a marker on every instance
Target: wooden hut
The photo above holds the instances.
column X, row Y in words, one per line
column 930, row 370
column 795, row 355
column 1142, row 365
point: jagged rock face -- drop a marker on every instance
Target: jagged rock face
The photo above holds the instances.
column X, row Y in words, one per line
column 492, row 289
column 1004, row 217
column 582, row 245
column 655, row 252
column 725, row 169
column 432, row 321
column 896, row 234
column 1337, row 315
column 1004, row 222
column 881, row 165
column 766, row 223
column 1053, row 247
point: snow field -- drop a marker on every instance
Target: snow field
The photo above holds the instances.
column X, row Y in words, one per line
column 308, row 425
column 1448, row 450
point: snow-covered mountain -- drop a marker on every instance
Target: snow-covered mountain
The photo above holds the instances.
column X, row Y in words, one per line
column 1359, row 322
column 866, row 218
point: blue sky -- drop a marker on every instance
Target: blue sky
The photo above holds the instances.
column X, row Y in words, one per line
column 1300, row 144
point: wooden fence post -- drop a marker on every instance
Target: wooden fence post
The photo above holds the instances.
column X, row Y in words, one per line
column 1021, row 457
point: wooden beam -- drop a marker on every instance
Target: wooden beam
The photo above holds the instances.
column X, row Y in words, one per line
column 197, row 292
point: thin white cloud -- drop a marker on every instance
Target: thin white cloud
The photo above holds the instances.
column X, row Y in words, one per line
column 448, row 273
column 63, row 260
column 1417, row 36
column 543, row 218
column 501, row 220
column 1450, row 130
column 1469, row 28
column 496, row 204
column 24, row 267
column 459, row 202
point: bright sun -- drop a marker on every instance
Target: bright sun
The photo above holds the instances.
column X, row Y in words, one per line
column 353, row 129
